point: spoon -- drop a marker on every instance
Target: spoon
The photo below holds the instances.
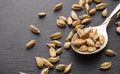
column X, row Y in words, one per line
column 101, row 29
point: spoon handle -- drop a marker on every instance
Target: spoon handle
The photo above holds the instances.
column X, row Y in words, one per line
column 106, row 22
column 115, row 11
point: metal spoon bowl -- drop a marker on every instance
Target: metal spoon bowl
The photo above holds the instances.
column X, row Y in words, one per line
column 101, row 30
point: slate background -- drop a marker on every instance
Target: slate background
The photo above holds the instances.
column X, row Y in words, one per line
column 17, row 15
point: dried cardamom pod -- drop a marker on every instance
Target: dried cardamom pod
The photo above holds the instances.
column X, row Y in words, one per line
column 30, row 44
column 59, row 51
column 77, row 7
column 68, row 68
column 83, row 48
column 22, row 73
column 118, row 15
column 104, row 12
column 86, row 21
column 101, row 6
column 118, row 29
column 91, row 49
column 51, row 45
column 57, row 7
column 67, row 45
column 61, row 23
column 69, row 21
column 56, row 43
column 74, row 15
column 52, row 52
column 56, row 35
column 90, row 42
column 79, row 27
column 34, row 29
column 110, row 52
column 118, row 23
column 97, row 1
column 97, row 44
column 54, row 59
column 101, row 39
column 76, row 23
column 88, row 1
column 69, row 37
column 106, row 65
column 47, row 63
column 92, row 11
column 84, row 16
column 45, row 71
column 39, row 62
column 63, row 18
column 79, row 42
column 82, row 2
column 87, row 8
column 61, row 67
column 42, row 14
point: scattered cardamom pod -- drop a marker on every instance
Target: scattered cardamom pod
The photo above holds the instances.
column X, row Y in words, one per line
column 63, row 18
column 68, row 68
column 110, row 52
column 42, row 14
column 86, row 21
column 79, row 27
column 84, row 16
column 59, row 51
column 90, row 42
column 52, row 52
column 77, row 7
column 45, row 71
column 69, row 37
column 22, row 73
column 56, row 43
column 54, row 59
column 74, row 15
column 104, row 12
column 39, row 62
column 87, row 8
column 92, row 11
column 30, row 44
column 82, row 2
column 34, row 29
column 118, row 29
column 76, row 23
column 67, row 45
column 101, row 6
column 97, row 1
column 47, row 63
column 69, row 21
column 51, row 45
column 57, row 7
column 56, row 35
column 61, row 23
column 106, row 65
column 88, row 1
column 61, row 67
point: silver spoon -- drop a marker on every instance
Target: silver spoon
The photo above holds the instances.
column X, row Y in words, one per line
column 101, row 30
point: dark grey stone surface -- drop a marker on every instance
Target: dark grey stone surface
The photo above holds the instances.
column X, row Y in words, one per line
column 17, row 15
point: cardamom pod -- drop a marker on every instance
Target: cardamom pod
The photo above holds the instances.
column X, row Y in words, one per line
column 45, row 71
column 68, row 68
column 57, row 7
column 106, row 65
column 110, row 52
column 39, row 62
column 54, row 59
column 56, row 35
column 61, row 67
column 34, row 29
column 104, row 12
column 30, row 44
column 101, row 6
column 42, row 14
